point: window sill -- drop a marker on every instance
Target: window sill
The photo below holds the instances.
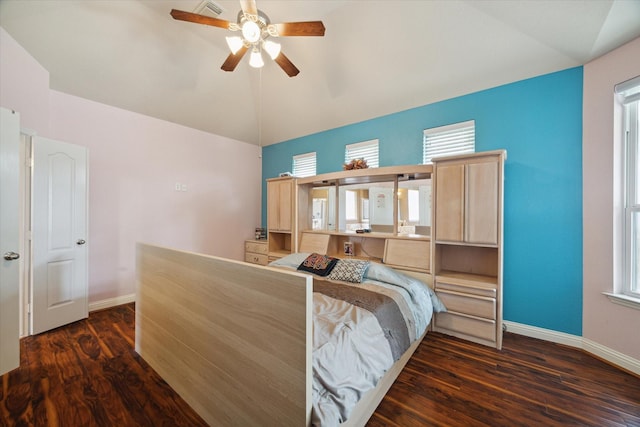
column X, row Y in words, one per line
column 624, row 300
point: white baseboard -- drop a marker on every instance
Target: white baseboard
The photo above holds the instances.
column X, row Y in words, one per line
column 614, row 357
column 111, row 302
column 544, row 334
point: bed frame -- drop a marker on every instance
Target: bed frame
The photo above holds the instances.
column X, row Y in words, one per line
column 233, row 339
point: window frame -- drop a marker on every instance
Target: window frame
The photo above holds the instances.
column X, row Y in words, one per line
column 360, row 150
column 450, row 140
column 627, row 117
column 631, row 211
column 303, row 158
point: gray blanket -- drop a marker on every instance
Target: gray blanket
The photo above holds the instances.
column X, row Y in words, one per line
column 359, row 330
column 381, row 306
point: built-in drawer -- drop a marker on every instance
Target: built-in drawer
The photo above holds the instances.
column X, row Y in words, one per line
column 468, row 304
column 256, row 258
column 474, row 326
column 479, row 289
column 256, row 246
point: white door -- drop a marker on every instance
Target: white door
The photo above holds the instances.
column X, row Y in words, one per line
column 9, row 240
column 59, row 234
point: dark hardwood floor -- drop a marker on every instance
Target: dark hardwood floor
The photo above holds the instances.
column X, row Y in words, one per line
column 530, row 382
column 87, row 374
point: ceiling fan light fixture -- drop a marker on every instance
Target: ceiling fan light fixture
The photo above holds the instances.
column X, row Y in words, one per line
column 256, row 59
column 251, row 31
column 234, row 43
column 272, row 48
column 255, row 28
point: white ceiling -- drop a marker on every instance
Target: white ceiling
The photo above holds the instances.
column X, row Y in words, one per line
column 377, row 57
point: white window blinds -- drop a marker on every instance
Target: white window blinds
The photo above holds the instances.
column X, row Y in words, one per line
column 304, row 165
column 457, row 138
column 367, row 150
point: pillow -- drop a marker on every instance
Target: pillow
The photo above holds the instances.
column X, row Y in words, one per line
column 349, row 270
column 318, row 264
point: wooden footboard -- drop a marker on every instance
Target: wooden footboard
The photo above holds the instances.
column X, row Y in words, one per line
column 233, row 339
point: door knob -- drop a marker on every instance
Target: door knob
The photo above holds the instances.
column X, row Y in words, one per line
column 10, row 256
column 81, row 242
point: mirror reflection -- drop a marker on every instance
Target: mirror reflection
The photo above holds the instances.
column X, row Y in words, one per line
column 414, row 207
column 371, row 206
column 323, row 214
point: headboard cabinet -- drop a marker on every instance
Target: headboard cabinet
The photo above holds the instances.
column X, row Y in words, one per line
column 468, row 248
column 379, row 202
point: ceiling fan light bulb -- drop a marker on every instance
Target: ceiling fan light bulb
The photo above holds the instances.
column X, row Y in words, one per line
column 250, row 31
column 234, row 43
column 256, row 59
column 272, row 48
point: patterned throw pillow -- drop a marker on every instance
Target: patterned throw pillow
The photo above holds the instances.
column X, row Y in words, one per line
column 349, row 270
column 318, row 264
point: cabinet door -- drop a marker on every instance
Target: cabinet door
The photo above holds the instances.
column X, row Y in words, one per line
column 279, row 205
column 450, row 202
column 286, row 204
column 481, row 213
column 273, row 205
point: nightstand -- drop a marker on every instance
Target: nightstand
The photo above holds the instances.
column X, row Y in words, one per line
column 255, row 252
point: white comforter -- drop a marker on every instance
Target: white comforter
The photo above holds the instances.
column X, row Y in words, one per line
column 350, row 350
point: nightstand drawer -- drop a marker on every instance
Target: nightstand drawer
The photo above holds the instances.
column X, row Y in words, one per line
column 256, row 246
column 473, row 326
column 256, row 258
column 468, row 304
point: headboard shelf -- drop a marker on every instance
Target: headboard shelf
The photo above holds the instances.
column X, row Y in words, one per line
column 403, row 252
column 370, row 235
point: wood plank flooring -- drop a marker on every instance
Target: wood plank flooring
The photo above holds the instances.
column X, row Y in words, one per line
column 87, row 374
column 451, row 382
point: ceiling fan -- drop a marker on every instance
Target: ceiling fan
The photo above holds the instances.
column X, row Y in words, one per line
column 256, row 30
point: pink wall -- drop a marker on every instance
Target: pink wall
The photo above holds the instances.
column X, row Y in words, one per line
column 24, row 84
column 604, row 322
column 134, row 163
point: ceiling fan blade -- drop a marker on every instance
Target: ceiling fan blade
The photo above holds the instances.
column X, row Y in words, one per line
column 309, row 28
column 232, row 60
column 286, row 65
column 181, row 15
column 249, row 7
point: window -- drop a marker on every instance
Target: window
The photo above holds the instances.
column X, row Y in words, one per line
column 457, row 138
column 413, row 198
column 367, row 150
column 351, row 205
column 628, row 94
column 304, row 165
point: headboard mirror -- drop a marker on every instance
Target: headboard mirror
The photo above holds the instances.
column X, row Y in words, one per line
column 371, row 206
column 414, row 206
column 323, row 210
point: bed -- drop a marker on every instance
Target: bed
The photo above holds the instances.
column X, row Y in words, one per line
column 238, row 341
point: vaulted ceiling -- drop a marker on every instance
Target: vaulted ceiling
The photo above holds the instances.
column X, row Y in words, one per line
column 376, row 58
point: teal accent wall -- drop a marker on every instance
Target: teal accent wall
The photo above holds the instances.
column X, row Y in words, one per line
column 539, row 122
